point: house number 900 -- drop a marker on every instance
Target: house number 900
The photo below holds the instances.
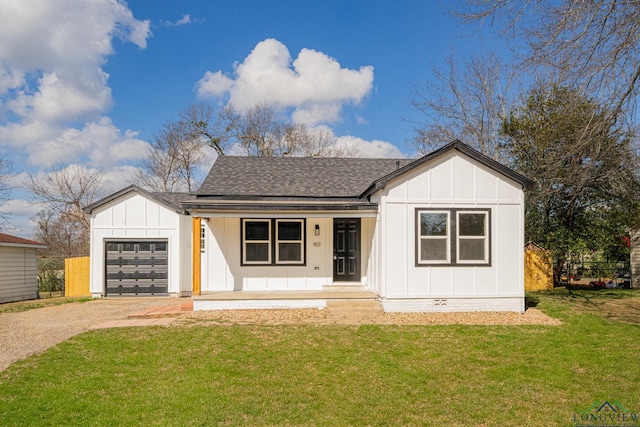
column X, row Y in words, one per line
column 316, row 244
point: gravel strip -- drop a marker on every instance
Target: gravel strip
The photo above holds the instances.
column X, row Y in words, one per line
column 342, row 317
column 29, row 332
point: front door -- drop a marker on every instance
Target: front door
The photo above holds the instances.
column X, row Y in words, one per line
column 346, row 250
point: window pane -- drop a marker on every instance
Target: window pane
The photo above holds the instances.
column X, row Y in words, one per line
column 257, row 252
column 471, row 224
column 433, row 224
column 257, row 230
column 471, row 249
column 290, row 252
column 433, row 249
column 161, row 247
column 289, row 230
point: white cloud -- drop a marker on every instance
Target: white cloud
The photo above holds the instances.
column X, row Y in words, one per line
column 314, row 84
column 51, row 76
column 117, row 178
column 52, row 53
column 214, row 84
column 19, row 214
column 98, row 143
column 376, row 149
column 185, row 20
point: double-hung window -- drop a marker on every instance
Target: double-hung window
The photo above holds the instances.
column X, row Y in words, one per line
column 453, row 237
column 273, row 242
column 434, row 237
column 472, row 237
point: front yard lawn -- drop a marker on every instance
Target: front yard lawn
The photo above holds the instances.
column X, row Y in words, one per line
column 334, row 375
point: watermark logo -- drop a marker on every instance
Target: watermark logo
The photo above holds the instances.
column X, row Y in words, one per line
column 606, row 414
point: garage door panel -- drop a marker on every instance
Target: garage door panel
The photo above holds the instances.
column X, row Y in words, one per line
column 135, row 288
column 137, row 261
column 136, row 267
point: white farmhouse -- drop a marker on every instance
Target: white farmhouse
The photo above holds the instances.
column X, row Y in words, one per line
column 444, row 232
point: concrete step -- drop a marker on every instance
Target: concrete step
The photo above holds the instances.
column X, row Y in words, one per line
column 187, row 306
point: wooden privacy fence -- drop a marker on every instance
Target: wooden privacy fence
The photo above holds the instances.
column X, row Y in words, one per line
column 538, row 268
column 76, row 277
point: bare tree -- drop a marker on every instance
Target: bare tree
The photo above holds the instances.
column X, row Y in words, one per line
column 63, row 191
column 173, row 159
column 201, row 120
column 6, row 168
column 258, row 131
column 468, row 104
column 262, row 131
column 590, row 45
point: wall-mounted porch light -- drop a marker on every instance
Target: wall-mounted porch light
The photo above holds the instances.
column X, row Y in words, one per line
column 317, row 229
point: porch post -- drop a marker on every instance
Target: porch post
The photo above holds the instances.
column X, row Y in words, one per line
column 195, row 255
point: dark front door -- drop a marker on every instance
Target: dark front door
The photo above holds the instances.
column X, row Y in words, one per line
column 346, row 250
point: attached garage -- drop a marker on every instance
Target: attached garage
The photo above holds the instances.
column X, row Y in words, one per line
column 135, row 267
column 140, row 245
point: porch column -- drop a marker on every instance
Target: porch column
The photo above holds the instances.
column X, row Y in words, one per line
column 195, row 255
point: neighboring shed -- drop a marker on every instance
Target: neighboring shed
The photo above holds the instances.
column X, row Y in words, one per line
column 18, row 267
column 538, row 268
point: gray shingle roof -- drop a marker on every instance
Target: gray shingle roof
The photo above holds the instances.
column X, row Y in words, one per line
column 312, row 177
column 174, row 199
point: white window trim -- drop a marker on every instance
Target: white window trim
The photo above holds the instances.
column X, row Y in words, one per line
column 245, row 241
column 485, row 260
column 301, row 242
column 421, row 238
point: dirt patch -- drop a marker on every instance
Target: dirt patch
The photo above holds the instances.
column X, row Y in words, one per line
column 327, row 317
column 625, row 310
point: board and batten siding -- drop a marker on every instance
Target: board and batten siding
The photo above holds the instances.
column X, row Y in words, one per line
column 224, row 271
column 449, row 182
column 136, row 217
column 18, row 280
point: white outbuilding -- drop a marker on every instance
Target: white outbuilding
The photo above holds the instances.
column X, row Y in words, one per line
column 18, row 268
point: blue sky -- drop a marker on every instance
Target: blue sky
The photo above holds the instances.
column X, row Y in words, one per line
column 88, row 84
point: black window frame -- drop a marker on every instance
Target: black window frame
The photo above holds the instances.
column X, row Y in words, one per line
column 273, row 243
column 453, row 237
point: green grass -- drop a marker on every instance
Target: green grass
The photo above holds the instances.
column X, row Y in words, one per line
column 332, row 375
column 16, row 307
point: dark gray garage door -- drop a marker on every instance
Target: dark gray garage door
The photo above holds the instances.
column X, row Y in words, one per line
column 136, row 267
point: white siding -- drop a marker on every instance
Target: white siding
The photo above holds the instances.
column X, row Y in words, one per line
column 225, row 272
column 17, row 274
column 452, row 181
column 133, row 216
